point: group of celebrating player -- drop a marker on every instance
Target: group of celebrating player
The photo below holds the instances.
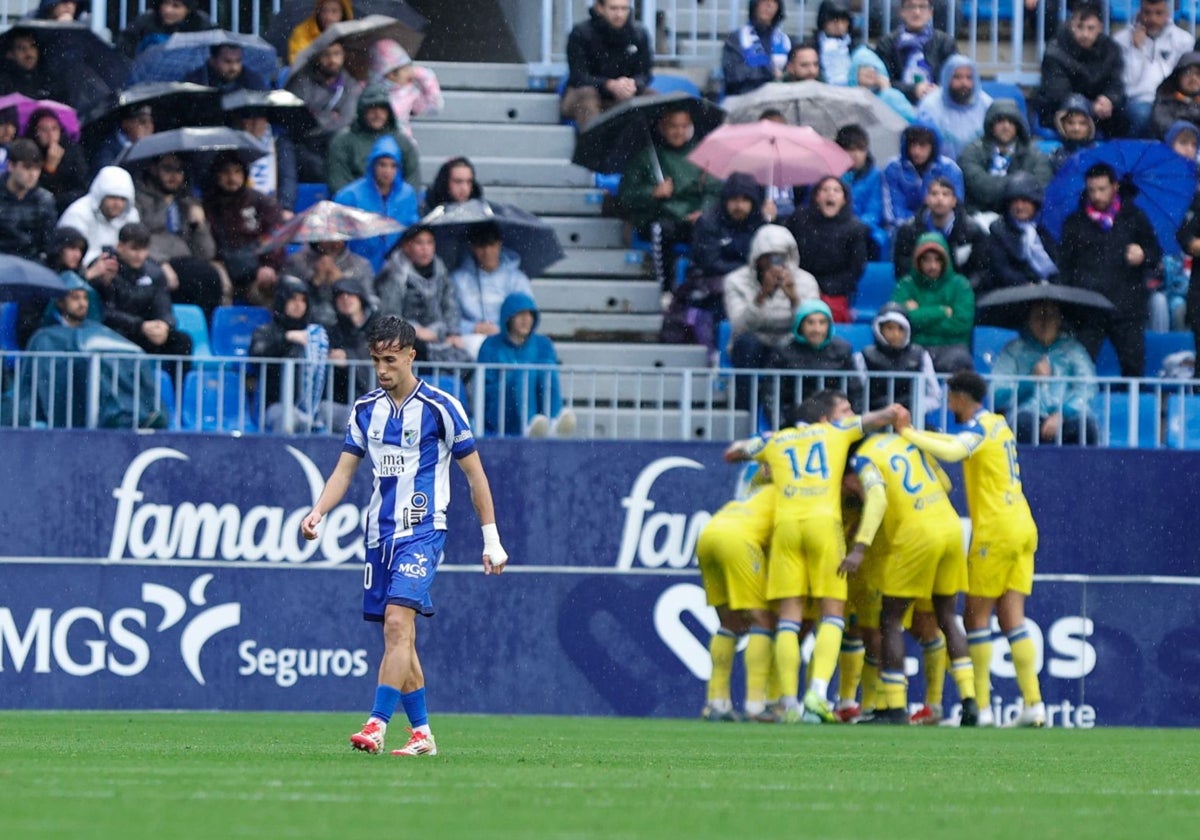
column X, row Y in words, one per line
column 774, row 563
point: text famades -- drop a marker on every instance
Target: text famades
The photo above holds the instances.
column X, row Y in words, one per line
column 144, row 529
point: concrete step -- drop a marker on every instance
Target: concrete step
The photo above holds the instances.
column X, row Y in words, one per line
column 456, row 75
column 587, row 231
column 604, row 262
column 443, row 140
column 667, row 424
column 664, row 388
column 551, row 201
column 518, row 172
column 597, row 295
column 496, row 107
column 631, row 326
column 628, row 354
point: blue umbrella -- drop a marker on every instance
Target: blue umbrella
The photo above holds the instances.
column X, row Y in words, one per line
column 22, row 279
column 1165, row 183
column 184, row 52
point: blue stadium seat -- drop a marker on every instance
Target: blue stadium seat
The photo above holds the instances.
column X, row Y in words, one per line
column 668, row 83
column 1106, row 362
column 1159, row 345
column 8, row 330
column 986, row 344
column 190, row 319
column 1117, row 421
column 724, row 335
column 232, row 327
column 166, row 397
column 213, row 401
column 859, row 335
column 1005, row 90
column 1183, row 421
column 308, row 194
column 874, row 290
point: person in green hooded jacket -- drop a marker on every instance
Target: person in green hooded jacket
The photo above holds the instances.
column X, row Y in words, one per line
column 940, row 305
column 662, row 193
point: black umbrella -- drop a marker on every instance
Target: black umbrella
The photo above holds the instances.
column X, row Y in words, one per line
column 1010, row 307
column 291, row 13
column 356, row 37
column 201, row 143
column 89, row 67
column 618, row 134
column 534, row 241
column 22, row 279
column 280, row 107
column 173, row 104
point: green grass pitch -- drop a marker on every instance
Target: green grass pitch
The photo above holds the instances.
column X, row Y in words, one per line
column 176, row 776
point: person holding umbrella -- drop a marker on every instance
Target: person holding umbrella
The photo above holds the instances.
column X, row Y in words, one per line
column 325, row 13
column 486, row 276
column 1028, row 377
column 662, row 193
column 455, row 181
column 331, row 94
column 226, row 71
column 1109, row 246
column 64, row 171
column 24, row 70
column 241, row 219
column 132, row 125
column 160, row 22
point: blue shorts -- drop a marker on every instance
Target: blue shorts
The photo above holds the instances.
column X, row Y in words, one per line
column 401, row 572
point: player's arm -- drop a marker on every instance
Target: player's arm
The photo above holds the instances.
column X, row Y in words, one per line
column 873, row 421
column 494, row 555
column 744, row 450
column 874, row 507
column 948, row 448
column 335, row 489
column 942, row 476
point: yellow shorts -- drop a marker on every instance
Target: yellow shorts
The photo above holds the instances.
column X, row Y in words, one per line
column 804, row 559
column 926, row 561
column 998, row 564
column 864, row 598
column 734, row 571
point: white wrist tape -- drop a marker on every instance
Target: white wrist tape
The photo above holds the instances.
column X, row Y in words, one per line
column 492, row 547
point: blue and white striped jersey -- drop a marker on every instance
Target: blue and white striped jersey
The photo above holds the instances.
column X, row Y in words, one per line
column 410, row 446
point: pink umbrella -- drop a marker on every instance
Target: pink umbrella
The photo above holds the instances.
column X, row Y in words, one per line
column 26, row 106
column 776, row 155
column 328, row 221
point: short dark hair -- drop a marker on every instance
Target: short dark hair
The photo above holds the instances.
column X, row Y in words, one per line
column 24, row 150
column 1081, row 9
column 920, row 134
column 970, row 383
column 772, row 114
column 805, row 45
column 853, row 136
column 1101, row 170
column 819, row 406
column 135, row 234
column 942, row 181
column 391, row 329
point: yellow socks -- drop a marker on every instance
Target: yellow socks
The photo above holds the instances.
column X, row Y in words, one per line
column 980, row 645
column 1024, row 659
column 850, row 667
column 963, row 674
column 895, row 690
column 758, row 657
column 787, row 658
column 825, row 653
column 935, row 669
column 870, row 683
column 721, row 647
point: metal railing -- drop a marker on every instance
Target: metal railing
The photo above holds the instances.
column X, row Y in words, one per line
column 234, row 396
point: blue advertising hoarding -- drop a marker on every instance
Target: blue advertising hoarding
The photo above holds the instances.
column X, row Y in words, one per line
column 166, row 571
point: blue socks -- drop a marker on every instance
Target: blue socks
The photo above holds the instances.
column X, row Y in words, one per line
column 414, row 707
column 386, row 699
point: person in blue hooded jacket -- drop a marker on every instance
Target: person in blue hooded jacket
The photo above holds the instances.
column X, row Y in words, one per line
column 907, row 176
column 381, row 191
column 530, row 399
column 756, row 53
column 484, row 278
column 957, row 107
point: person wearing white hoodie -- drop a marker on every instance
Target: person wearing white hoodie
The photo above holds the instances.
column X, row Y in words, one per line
column 100, row 215
column 1151, row 46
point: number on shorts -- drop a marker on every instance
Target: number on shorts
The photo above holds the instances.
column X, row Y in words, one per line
column 368, row 575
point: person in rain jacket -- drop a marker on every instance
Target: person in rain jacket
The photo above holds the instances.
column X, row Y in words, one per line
column 484, row 278
column 940, row 305
column 907, row 177
column 412, row 89
column 756, row 52
column 868, row 71
column 100, row 215
column 894, row 351
column 1044, row 408
column 1004, row 150
column 532, row 399
column 833, row 244
column 325, row 13
column 380, row 191
column 827, row 359
column 351, row 146
column 958, row 107
column 1178, row 97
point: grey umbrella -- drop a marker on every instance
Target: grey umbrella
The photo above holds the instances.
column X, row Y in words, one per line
column 294, row 11
column 356, row 37
column 22, row 279
column 1010, row 307
column 191, row 141
column 534, row 241
column 825, row 108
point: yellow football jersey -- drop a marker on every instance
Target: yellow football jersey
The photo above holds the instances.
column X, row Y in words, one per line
column 807, row 462
column 753, row 517
column 911, row 480
column 992, row 476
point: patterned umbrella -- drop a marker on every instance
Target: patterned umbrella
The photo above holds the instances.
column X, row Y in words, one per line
column 328, row 221
column 184, row 52
column 26, row 106
column 776, row 155
column 356, row 37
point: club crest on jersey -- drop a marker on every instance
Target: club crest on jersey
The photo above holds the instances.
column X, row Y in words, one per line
column 410, row 437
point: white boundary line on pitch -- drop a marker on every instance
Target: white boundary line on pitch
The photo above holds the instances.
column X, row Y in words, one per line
column 355, row 566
